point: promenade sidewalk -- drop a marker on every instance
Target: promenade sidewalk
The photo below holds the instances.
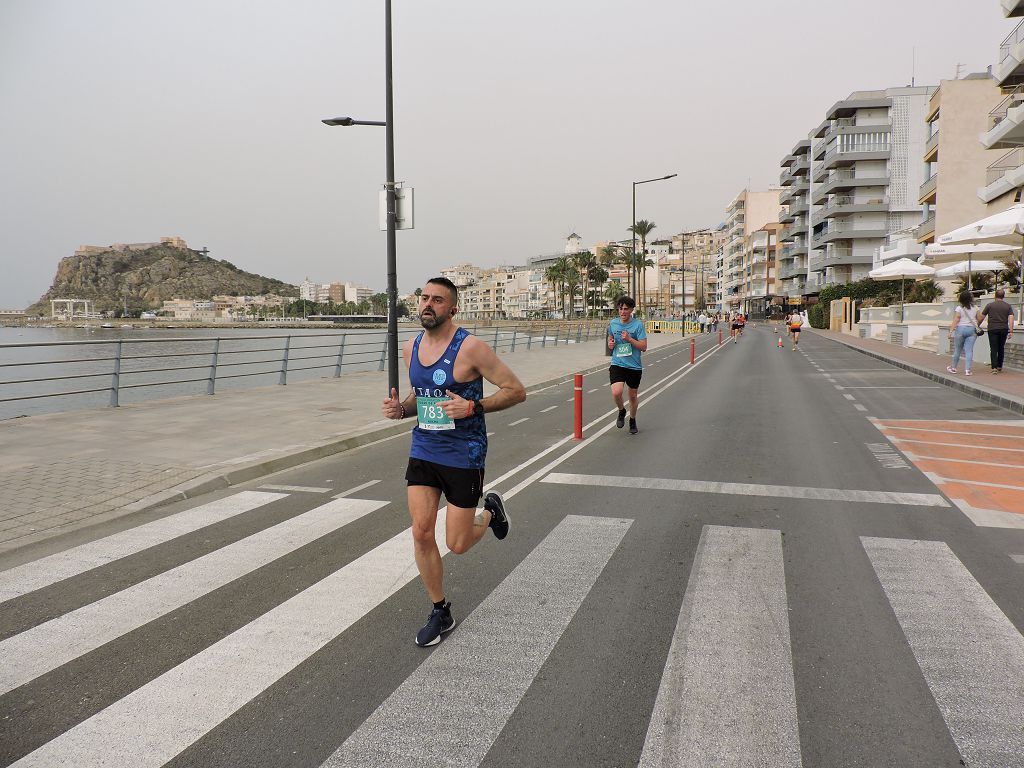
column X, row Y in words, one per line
column 63, row 471
column 1005, row 390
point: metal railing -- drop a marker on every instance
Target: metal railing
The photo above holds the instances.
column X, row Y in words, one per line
column 1011, row 161
column 1016, row 36
column 929, row 186
column 1012, row 99
column 931, row 145
column 114, row 366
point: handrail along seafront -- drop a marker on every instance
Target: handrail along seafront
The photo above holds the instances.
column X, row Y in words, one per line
column 346, row 350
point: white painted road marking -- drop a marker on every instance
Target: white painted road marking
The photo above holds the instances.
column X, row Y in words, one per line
column 416, row 726
column 295, row 488
column 154, row 723
column 1017, row 559
column 990, row 518
column 355, row 490
column 519, row 421
column 591, row 391
column 549, row 408
column 49, row 645
column 750, row 489
column 849, row 397
column 48, row 570
column 860, row 407
column 970, row 653
column 727, row 689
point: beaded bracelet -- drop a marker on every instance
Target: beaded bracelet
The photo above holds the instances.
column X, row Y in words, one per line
column 402, row 406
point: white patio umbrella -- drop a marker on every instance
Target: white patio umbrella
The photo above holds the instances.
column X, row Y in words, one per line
column 932, row 252
column 969, row 267
column 902, row 269
column 1004, row 228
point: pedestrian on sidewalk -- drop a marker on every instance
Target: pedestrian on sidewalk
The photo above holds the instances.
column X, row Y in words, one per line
column 447, row 367
column 1000, row 328
column 627, row 339
column 963, row 331
column 702, row 320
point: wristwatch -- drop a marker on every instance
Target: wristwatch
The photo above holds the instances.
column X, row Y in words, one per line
column 478, row 408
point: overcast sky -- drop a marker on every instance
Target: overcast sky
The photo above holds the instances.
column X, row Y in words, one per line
column 516, row 123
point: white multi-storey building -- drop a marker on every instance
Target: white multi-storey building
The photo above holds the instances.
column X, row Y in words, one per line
column 748, row 213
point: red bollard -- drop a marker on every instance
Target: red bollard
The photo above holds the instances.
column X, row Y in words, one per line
column 578, row 386
column 693, row 350
column 719, row 338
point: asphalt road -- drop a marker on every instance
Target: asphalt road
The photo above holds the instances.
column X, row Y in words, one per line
column 761, row 577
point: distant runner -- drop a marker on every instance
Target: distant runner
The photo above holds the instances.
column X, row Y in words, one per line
column 795, row 321
column 627, row 339
column 447, row 366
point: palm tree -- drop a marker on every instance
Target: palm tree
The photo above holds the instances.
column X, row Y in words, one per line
column 596, row 275
column 614, row 291
column 583, row 261
column 642, row 229
column 573, row 280
column 555, row 275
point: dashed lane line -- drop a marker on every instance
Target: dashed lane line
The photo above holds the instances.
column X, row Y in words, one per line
column 357, row 489
column 549, row 408
column 519, row 421
column 295, row 488
column 750, row 489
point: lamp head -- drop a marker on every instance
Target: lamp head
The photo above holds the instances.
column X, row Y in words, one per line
column 338, row 121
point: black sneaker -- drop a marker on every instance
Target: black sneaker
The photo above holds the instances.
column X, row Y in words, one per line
column 621, row 421
column 500, row 522
column 440, row 621
column 632, row 427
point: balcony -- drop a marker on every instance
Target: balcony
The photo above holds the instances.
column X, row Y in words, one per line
column 1009, row 70
column 786, row 195
column 801, row 166
column 926, row 230
column 797, row 269
column 846, row 179
column 928, row 190
column 786, row 177
column 785, row 216
column 798, row 209
column 931, row 149
column 848, row 156
column 842, row 230
column 846, row 205
column 1006, row 122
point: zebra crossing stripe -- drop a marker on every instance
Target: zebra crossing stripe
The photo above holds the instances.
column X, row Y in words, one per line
column 727, row 689
column 970, row 653
column 29, row 577
column 151, row 725
column 416, row 726
column 49, row 645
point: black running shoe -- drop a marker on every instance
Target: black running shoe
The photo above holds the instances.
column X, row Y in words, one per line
column 440, row 621
column 500, row 522
column 632, row 427
column 621, row 421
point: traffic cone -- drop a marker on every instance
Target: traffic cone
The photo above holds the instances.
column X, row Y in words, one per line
column 779, row 345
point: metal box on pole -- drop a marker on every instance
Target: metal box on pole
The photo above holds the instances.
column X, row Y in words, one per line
column 403, row 208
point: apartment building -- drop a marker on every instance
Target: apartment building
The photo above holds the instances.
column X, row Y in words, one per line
column 748, row 213
column 793, row 251
column 1004, row 177
column 866, row 179
column 956, row 164
column 462, row 274
column 688, row 276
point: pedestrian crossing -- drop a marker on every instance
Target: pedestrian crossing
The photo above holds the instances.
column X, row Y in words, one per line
column 728, row 692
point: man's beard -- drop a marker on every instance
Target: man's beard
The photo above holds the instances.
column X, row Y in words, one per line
column 430, row 321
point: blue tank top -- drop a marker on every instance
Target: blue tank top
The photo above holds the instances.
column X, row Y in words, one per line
column 465, row 445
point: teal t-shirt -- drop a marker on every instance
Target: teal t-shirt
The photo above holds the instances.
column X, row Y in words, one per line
column 624, row 353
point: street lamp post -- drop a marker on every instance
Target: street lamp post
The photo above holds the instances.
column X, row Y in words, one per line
column 635, row 282
column 392, row 213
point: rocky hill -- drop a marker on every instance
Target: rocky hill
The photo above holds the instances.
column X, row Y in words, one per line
column 147, row 277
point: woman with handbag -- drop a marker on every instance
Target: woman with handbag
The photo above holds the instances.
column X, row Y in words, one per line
column 963, row 331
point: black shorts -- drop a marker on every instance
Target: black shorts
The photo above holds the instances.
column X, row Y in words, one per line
column 461, row 486
column 631, row 376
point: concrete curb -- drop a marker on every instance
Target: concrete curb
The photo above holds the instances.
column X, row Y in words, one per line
column 1003, row 400
column 221, row 479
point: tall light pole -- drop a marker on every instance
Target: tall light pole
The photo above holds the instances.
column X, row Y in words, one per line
column 635, row 282
column 392, row 213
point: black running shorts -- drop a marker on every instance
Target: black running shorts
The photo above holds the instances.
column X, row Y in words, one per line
column 461, row 486
column 631, row 376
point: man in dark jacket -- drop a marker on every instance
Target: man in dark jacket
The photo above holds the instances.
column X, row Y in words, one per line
column 1000, row 328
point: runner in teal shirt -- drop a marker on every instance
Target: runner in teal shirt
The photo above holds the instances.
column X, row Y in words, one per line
column 627, row 339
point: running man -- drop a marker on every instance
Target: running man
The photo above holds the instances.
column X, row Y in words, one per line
column 795, row 321
column 447, row 367
column 626, row 339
